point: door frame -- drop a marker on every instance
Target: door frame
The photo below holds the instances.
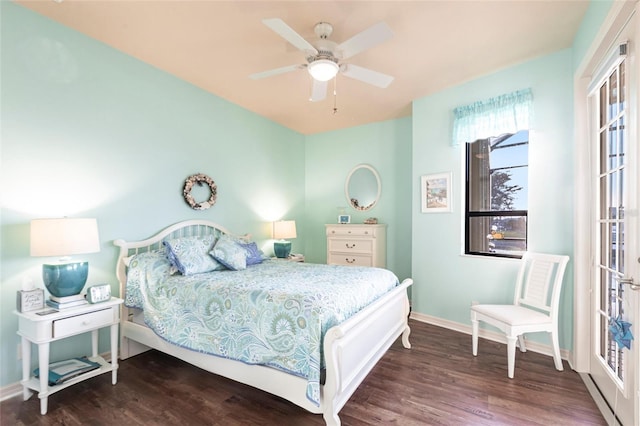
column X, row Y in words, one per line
column 603, row 43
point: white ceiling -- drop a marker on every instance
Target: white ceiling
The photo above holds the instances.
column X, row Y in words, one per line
column 216, row 45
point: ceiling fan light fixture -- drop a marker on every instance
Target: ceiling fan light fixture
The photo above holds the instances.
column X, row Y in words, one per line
column 323, row 69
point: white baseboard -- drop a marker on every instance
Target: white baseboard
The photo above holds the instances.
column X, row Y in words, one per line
column 486, row 334
column 602, row 405
column 9, row 391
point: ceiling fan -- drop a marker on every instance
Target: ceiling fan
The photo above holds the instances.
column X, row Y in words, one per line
column 324, row 57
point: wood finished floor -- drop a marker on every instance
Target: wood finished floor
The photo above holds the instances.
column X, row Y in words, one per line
column 437, row 382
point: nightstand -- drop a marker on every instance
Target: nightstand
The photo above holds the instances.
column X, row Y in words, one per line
column 44, row 329
column 297, row 257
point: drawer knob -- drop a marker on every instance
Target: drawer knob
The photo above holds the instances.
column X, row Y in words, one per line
column 85, row 322
column 350, row 246
column 350, row 261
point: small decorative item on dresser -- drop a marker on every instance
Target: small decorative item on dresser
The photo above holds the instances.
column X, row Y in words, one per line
column 30, row 300
column 344, row 218
column 371, row 221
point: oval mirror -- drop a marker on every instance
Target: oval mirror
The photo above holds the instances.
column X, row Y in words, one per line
column 363, row 187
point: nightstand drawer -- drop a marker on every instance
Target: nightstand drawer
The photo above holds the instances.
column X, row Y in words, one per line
column 350, row 245
column 81, row 323
column 350, row 260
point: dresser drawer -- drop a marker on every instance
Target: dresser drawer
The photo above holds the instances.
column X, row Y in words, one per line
column 346, row 230
column 353, row 245
column 350, row 259
column 81, row 323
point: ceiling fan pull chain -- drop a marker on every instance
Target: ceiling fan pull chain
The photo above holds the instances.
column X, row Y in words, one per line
column 335, row 95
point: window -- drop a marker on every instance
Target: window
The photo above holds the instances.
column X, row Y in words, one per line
column 496, row 195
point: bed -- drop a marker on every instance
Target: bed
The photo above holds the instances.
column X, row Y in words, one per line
column 343, row 343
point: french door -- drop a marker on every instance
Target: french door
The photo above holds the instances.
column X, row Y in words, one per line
column 614, row 360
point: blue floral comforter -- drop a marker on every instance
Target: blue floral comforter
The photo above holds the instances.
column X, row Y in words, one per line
column 275, row 313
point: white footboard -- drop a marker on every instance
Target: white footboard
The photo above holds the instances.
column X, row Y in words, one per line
column 353, row 348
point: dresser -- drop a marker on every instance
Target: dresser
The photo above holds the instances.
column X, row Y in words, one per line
column 357, row 245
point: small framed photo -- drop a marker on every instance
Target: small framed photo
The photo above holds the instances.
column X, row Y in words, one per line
column 436, row 193
column 344, row 218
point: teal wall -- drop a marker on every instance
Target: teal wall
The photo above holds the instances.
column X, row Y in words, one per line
column 446, row 282
column 591, row 23
column 90, row 132
column 331, row 156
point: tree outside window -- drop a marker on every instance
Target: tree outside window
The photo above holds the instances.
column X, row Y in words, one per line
column 496, row 195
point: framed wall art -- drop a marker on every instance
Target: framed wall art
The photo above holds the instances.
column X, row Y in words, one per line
column 435, row 193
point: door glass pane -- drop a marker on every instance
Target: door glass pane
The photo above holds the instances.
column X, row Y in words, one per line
column 620, row 243
column 613, row 147
column 603, row 105
column 610, row 223
column 613, row 96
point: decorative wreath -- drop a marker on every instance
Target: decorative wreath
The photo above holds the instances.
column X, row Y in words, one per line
column 199, row 179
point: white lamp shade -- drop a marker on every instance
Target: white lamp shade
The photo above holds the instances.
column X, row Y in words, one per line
column 284, row 229
column 64, row 237
column 323, row 69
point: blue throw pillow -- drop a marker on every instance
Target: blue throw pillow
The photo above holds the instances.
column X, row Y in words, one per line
column 191, row 254
column 230, row 253
column 254, row 255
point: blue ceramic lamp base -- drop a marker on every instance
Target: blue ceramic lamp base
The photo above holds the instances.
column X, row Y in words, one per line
column 282, row 249
column 65, row 279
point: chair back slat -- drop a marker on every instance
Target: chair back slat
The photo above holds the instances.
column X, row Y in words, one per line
column 540, row 281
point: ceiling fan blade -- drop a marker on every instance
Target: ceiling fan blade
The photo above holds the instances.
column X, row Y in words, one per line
column 287, row 33
column 318, row 91
column 366, row 75
column 276, row 71
column 372, row 36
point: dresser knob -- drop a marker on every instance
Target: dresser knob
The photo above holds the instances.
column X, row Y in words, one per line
column 349, row 261
column 350, row 246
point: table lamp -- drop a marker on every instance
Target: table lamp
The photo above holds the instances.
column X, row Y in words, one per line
column 283, row 229
column 63, row 238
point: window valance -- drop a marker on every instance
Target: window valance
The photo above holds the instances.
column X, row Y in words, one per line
column 493, row 117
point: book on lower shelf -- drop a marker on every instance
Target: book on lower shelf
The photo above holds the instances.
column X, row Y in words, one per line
column 64, row 305
column 61, row 371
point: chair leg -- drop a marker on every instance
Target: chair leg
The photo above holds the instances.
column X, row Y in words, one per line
column 523, row 347
column 511, row 355
column 556, row 351
column 474, row 337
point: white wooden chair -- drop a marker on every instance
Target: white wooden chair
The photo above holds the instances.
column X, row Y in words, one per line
column 534, row 308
